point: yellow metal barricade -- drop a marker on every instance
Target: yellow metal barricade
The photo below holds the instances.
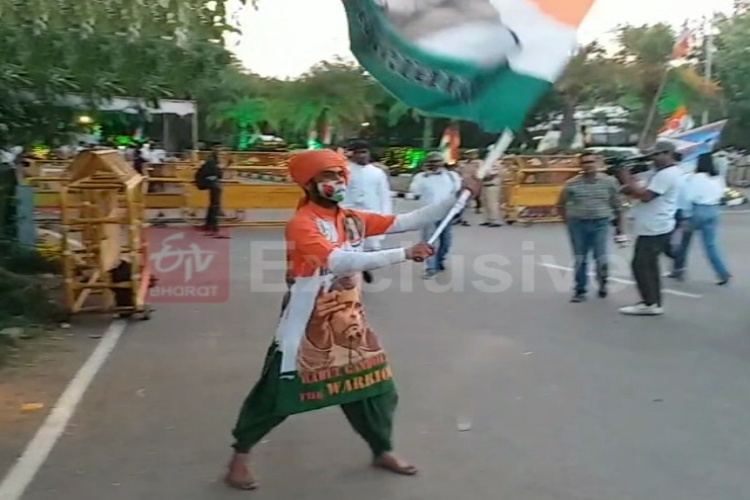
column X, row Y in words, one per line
column 246, row 158
column 244, row 200
column 260, row 184
column 532, row 187
column 47, row 177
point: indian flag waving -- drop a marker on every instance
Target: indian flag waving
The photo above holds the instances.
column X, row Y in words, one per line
column 450, row 143
column 679, row 121
column 485, row 61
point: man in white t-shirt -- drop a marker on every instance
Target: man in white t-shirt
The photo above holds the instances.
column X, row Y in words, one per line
column 654, row 221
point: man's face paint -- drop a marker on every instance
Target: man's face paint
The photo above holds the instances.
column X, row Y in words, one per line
column 332, row 190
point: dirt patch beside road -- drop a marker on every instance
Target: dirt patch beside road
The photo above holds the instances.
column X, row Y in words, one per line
column 33, row 376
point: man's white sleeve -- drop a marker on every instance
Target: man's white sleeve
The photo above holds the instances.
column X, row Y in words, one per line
column 418, row 219
column 346, row 262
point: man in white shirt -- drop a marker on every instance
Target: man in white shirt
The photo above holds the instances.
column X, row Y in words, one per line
column 654, row 221
column 157, row 154
column 435, row 184
column 368, row 190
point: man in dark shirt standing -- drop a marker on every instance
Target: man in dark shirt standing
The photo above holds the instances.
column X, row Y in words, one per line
column 139, row 161
column 589, row 203
column 211, row 174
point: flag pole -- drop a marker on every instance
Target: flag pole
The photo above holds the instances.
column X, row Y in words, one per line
column 497, row 151
column 652, row 110
column 679, row 51
column 708, row 71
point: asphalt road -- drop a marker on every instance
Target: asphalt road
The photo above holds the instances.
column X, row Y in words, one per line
column 564, row 401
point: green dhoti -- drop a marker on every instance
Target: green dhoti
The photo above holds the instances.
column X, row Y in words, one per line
column 371, row 417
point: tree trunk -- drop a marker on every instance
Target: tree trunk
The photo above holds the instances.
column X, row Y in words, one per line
column 651, row 126
column 428, row 125
column 568, row 128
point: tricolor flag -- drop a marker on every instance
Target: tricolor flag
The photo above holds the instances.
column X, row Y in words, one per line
column 450, row 143
column 680, row 121
column 683, row 44
column 485, row 61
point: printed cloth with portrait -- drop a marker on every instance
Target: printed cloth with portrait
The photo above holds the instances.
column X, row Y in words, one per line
column 330, row 355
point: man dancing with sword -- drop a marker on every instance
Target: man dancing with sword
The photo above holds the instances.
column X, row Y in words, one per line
column 324, row 352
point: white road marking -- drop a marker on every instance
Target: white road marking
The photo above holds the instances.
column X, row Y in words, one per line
column 670, row 291
column 22, row 473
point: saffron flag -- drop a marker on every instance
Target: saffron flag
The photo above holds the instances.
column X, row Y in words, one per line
column 680, row 121
column 450, row 143
column 683, row 44
column 485, row 61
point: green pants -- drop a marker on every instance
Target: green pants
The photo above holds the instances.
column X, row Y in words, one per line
column 371, row 418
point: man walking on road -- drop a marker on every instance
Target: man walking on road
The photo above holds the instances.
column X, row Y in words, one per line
column 324, row 352
column 433, row 185
column 653, row 223
column 589, row 203
column 369, row 190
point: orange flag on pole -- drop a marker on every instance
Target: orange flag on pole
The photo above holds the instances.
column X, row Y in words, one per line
column 683, row 44
column 680, row 121
column 450, row 143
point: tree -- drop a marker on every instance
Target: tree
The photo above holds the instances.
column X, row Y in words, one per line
column 100, row 50
column 398, row 110
column 589, row 78
column 246, row 114
column 332, row 98
column 732, row 69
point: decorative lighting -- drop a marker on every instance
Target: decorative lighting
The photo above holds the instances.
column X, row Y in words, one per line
column 404, row 157
column 85, row 120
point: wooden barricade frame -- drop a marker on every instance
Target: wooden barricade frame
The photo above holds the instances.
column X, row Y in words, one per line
column 103, row 203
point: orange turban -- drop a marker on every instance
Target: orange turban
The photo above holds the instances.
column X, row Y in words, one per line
column 303, row 167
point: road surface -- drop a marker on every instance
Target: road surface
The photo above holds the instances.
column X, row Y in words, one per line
column 564, row 401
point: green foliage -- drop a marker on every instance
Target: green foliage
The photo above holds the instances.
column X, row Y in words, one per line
column 173, row 49
column 332, row 94
column 590, row 78
column 26, row 300
column 732, row 67
column 100, row 50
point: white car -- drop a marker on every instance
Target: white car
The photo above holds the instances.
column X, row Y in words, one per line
column 620, row 152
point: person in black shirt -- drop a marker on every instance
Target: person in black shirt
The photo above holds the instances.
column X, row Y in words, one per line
column 139, row 161
column 211, row 174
